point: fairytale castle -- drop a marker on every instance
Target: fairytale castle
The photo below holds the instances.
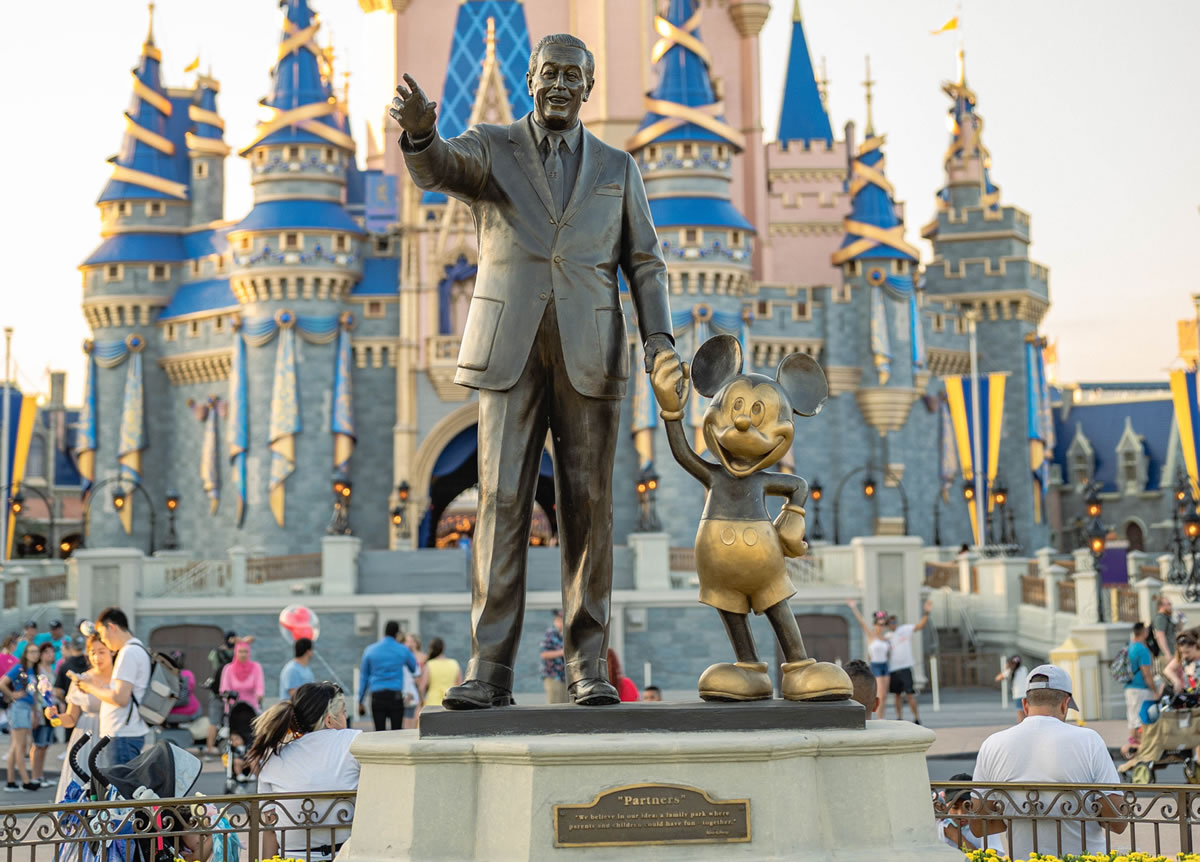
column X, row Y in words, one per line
column 260, row 365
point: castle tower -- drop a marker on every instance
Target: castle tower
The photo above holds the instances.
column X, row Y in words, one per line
column 981, row 264
column 207, row 151
column 127, row 281
column 685, row 150
column 296, row 256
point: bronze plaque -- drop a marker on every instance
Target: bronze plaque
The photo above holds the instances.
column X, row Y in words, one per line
column 652, row 814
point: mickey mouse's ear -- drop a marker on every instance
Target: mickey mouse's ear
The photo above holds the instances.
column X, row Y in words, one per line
column 804, row 382
column 716, row 361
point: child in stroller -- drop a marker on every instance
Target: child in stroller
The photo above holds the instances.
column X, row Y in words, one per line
column 237, row 735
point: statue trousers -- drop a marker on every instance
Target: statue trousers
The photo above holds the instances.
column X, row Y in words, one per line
column 512, row 435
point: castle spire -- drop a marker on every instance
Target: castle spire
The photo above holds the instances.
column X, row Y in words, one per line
column 682, row 105
column 147, row 165
column 868, row 84
column 873, row 228
column 966, row 158
column 802, row 115
column 301, row 100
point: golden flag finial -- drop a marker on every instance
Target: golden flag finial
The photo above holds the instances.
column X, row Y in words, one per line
column 491, row 38
column 150, row 26
column 868, row 84
column 823, row 85
column 962, row 67
column 795, row 11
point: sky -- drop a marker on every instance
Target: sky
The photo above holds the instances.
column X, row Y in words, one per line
column 1089, row 109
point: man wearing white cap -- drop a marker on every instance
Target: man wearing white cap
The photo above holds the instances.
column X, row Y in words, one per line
column 1044, row 748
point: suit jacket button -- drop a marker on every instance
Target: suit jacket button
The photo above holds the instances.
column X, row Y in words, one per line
column 557, row 259
column 541, row 296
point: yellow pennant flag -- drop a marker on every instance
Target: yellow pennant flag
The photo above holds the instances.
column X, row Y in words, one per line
column 193, row 66
column 952, row 24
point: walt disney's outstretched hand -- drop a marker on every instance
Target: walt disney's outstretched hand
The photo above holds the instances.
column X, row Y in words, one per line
column 669, row 379
column 412, row 110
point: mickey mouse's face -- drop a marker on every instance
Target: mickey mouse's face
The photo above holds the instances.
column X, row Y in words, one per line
column 748, row 425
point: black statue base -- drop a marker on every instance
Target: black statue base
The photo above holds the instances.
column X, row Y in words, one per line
column 688, row 717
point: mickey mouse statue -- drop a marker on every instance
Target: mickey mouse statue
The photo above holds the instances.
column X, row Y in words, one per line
column 739, row 551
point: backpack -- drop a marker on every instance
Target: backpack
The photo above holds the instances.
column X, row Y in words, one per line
column 165, row 688
column 1152, row 641
column 1121, row 669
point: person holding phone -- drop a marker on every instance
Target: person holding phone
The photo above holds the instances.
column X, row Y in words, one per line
column 83, row 710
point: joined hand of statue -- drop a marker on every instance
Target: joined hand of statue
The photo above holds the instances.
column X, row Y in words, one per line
column 669, row 379
column 413, row 110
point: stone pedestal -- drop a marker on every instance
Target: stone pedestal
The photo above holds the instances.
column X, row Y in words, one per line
column 339, row 565
column 813, row 795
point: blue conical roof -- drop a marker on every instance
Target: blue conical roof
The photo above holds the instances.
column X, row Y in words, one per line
column 207, row 100
column 873, row 228
column 146, row 166
column 682, row 63
column 802, row 115
column 300, row 87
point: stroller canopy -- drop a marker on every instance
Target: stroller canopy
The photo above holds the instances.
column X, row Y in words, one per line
column 163, row 768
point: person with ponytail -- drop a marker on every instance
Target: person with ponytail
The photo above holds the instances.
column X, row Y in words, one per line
column 303, row 745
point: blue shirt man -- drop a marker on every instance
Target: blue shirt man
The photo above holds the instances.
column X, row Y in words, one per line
column 1141, row 689
column 383, row 666
column 296, row 672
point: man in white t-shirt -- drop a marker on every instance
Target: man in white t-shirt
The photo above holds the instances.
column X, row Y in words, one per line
column 900, row 662
column 1045, row 749
column 119, row 716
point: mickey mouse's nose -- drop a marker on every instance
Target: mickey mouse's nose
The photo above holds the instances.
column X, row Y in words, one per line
column 742, row 423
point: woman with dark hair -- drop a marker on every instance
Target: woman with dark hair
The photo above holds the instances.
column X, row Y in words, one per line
column 1180, row 669
column 441, row 673
column 626, row 689
column 302, row 745
column 43, row 731
column 15, row 685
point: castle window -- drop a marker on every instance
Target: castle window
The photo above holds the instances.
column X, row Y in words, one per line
column 801, row 309
column 939, row 323
column 291, row 241
column 383, row 245
column 260, row 156
column 374, row 308
column 293, row 154
column 160, row 272
column 341, row 242
column 154, row 208
column 124, row 208
column 721, row 152
column 841, row 292
column 114, row 272
column 219, row 262
column 687, row 150
column 170, row 332
column 195, row 267
column 329, row 154
column 218, row 324
column 735, row 238
column 900, row 267
column 763, row 309
column 854, row 267
column 960, row 325
column 652, row 154
column 246, row 243
column 691, row 236
column 200, row 170
column 193, row 328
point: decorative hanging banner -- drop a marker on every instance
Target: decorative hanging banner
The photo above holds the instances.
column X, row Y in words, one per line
column 702, row 314
column 239, row 419
column 285, row 413
column 881, row 347
column 991, row 426
column 133, row 426
column 916, row 334
column 210, row 468
column 1039, row 422
column 22, row 414
column 1187, row 417
column 85, row 441
column 341, row 417
column 948, row 463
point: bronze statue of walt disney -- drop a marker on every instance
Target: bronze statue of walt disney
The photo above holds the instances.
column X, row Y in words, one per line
column 557, row 212
column 740, row 552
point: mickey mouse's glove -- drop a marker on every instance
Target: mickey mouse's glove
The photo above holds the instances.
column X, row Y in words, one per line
column 790, row 526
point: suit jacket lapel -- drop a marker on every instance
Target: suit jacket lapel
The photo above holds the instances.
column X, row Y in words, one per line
column 526, row 153
column 590, row 163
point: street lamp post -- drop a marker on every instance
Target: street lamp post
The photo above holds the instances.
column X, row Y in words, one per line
column 172, row 541
column 937, row 519
column 1191, row 527
column 1000, row 497
column 16, row 505
column 647, row 488
column 1097, row 535
column 400, row 510
column 339, row 524
column 816, row 492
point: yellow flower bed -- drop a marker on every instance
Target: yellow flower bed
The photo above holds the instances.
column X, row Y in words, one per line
column 991, row 855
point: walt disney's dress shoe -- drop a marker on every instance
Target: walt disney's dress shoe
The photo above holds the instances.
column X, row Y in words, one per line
column 592, row 692
column 476, row 694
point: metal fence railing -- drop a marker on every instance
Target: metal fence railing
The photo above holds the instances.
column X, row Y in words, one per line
column 1066, row 596
column 264, row 570
column 1074, row 818
column 1033, row 590
column 307, row 826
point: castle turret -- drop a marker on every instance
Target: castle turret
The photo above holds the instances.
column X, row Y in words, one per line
column 981, row 265
column 207, row 151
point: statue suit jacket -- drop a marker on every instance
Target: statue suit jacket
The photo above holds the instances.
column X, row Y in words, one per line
column 527, row 253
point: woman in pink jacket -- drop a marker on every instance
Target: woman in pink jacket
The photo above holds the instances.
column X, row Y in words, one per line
column 244, row 676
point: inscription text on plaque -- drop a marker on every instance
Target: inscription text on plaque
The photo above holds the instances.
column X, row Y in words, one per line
column 652, row 814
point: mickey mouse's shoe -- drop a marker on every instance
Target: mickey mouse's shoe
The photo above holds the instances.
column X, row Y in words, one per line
column 814, row 680
column 744, row 680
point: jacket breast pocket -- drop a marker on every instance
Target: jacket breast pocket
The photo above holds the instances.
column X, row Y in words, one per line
column 612, row 190
column 480, row 333
column 610, row 326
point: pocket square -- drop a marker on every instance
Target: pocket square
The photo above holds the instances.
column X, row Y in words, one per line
column 609, row 189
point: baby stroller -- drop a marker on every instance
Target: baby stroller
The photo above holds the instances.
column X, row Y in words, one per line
column 238, row 721
column 133, row 834
column 1170, row 739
